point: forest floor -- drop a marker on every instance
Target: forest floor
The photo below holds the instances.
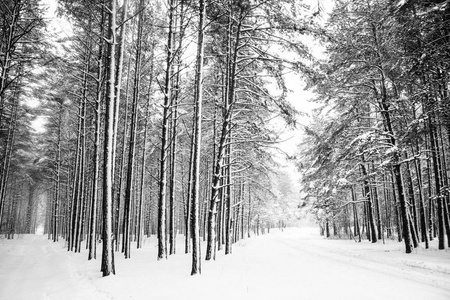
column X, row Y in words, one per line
column 294, row 264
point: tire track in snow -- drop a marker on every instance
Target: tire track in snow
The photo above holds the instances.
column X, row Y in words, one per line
column 346, row 265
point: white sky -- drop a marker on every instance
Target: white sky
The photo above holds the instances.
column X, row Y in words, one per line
column 299, row 97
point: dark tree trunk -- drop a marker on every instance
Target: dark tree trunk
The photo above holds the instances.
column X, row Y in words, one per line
column 162, row 243
column 107, row 241
column 367, row 196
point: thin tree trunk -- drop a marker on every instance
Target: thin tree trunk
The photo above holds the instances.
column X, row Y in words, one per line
column 58, row 176
column 357, row 231
column 144, row 153
column 413, row 207
column 133, row 132
column 122, row 165
column 229, row 207
column 368, row 197
column 82, row 177
column 7, row 157
column 162, row 243
column 118, row 81
column 440, row 210
column 98, row 110
column 377, row 209
column 423, row 221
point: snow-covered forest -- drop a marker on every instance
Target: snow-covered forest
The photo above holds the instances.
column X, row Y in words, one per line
column 155, row 130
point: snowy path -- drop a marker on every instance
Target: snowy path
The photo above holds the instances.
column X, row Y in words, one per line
column 35, row 268
column 303, row 268
column 295, row 264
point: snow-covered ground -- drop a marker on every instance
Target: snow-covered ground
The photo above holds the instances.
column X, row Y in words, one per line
column 294, row 264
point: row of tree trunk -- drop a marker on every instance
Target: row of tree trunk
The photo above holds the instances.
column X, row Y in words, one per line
column 143, row 140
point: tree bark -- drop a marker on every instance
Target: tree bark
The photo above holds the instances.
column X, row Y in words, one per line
column 196, row 266
column 107, row 251
column 133, row 132
column 162, row 246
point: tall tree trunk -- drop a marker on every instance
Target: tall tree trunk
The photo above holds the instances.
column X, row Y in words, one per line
column 118, row 82
column 387, row 205
column 174, row 120
column 144, row 151
column 412, row 198
column 445, row 181
column 437, row 180
column 423, row 219
column 162, row 244
column 384, row 105
column 229, row 96
column 107, row 251
column 249, row 218
column 189, row 191
column 82, row 178
column 228, row 198
column 119, row 193
column 77, row 174
column 98, row 111
column 196, row 267
column 58, row 176
column 133, row 132
column 7, row 157
column 8, row 150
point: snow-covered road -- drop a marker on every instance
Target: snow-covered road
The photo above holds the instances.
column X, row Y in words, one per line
column 308, row 267
column 294, row 264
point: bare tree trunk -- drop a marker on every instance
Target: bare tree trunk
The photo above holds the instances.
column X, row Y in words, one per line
column 229, row 218
column 229, row 96
column 377, row 204
column 82, row 183
column 357, row 230
column 196, row 266
column 108, row 252
column 423, row 221
column 98, row 110
column 7, row 157
column 387, row 209
column 249, row 218
column 189, row 191
column 440, row 210
column 122, row 165
column 58, row 177
column 144, row 152
column 77, row 196
column 118, row 82
column 173, row 146
column 75, row 189
column 413, row 222
column 368, row 197
column 133, row 132
column 162, row 246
